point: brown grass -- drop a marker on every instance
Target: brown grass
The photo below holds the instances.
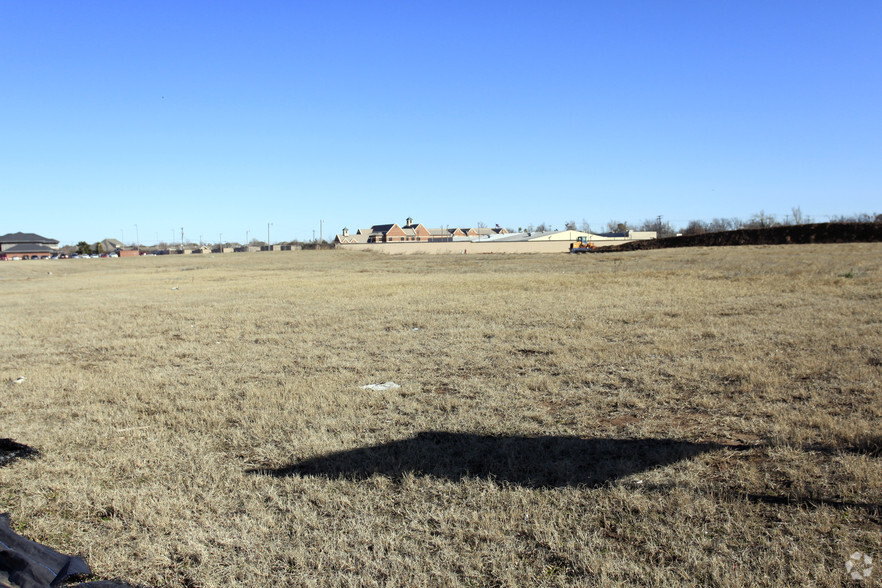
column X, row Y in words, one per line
column 689, row 417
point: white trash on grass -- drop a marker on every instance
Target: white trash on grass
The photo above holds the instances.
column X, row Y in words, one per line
column 381, row 387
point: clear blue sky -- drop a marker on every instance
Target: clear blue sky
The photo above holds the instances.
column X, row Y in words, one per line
column 221, row 117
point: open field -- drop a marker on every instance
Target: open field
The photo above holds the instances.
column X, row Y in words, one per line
column 671, row 417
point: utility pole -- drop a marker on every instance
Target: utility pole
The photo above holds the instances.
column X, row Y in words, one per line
column 182, row 238
column 320, row 230
column 269, row 245
column 220, row 242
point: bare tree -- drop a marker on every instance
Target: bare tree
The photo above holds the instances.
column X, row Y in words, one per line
column 570, row 225
column 541, row 228
column 695, row 227
column 803, row 218
column 723, row 224
column 863, row 217
column 761, row 220
column 615, row 226
column 662, row 228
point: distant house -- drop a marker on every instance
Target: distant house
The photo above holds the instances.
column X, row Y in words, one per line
column 386, row 233
column 416, row 232
column 346, row 237
column 440, row 234
column 479, row 231
column 412, row 232
column 27, row 246
column 109, row 245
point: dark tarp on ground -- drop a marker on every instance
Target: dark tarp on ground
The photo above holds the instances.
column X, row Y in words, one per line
column 26, row 564
column 29, row 564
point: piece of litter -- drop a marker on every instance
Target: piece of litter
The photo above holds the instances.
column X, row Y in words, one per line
column 19, row 380
column 380, row 387
column 416, row 328
column 174, row 288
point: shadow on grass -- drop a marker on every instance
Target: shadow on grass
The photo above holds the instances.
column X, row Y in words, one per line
column 783, row 500
column 810, row 502
column 10, row 451
column 536, row 462
column 867, row 445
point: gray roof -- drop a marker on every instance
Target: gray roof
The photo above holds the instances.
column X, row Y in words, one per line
column 28, row 248
column 25, row 238
column 524, row 236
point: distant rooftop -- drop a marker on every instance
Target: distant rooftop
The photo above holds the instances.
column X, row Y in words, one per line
column 25, row 238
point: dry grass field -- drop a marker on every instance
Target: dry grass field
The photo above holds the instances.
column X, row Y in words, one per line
column 673, row 417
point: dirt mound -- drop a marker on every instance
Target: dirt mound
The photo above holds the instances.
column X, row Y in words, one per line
column 814, row 233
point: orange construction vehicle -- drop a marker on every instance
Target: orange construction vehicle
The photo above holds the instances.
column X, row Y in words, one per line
column 583, row 245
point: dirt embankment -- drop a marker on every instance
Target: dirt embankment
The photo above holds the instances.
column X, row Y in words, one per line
column 814, row 233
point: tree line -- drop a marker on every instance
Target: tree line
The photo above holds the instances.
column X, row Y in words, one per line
column 663, row 228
